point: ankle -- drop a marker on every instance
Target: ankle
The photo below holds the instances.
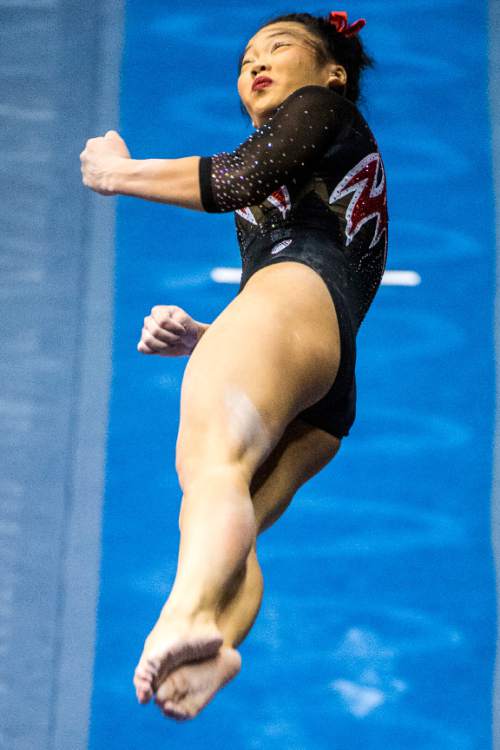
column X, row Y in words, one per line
column 186, row 612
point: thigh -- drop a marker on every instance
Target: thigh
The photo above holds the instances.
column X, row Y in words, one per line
column 273, row 352
column 302, row 452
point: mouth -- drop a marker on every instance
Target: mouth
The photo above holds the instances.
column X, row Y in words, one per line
column 261, row 83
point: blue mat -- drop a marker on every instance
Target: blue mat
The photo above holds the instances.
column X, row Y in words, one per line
column 378, row 623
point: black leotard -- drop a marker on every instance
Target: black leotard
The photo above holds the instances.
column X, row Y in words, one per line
column 309, row 186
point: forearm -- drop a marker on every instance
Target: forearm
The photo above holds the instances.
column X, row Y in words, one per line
column 172, row 181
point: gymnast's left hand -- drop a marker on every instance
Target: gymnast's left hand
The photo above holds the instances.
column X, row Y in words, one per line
column 100, row 161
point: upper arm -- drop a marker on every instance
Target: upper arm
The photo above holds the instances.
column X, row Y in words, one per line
column 285, row 147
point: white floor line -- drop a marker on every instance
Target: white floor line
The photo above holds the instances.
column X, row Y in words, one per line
column 226, row 275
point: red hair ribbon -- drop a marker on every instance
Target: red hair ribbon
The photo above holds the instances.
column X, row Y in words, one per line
column 338, row 18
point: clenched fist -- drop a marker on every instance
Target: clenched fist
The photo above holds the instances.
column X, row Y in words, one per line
column 170, row 332
column 100, row 161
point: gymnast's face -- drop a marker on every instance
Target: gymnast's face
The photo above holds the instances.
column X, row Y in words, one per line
column 285, row 53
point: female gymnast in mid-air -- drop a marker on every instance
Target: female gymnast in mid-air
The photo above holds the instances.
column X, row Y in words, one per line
column 269, row 388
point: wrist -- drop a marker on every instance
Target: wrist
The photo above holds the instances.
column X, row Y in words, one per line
column 122, row 175
column 202, row 328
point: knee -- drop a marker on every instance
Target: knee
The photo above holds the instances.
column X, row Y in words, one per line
column 209, row 465
column 217, row 491
column 231, row 433
column 196, row 473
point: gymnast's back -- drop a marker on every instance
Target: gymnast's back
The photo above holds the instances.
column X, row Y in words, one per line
column 311, row 172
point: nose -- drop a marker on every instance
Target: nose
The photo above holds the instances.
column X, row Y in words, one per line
column 257, row 68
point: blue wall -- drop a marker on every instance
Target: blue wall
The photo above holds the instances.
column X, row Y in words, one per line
column 378, row 623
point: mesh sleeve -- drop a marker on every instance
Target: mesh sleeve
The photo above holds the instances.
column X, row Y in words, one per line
column 300, row 130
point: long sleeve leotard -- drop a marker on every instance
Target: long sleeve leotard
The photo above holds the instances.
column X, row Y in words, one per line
column 314, row 165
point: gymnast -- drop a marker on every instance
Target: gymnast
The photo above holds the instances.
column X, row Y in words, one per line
column 269, row 388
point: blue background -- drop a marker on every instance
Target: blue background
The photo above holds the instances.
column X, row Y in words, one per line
column 378, row 622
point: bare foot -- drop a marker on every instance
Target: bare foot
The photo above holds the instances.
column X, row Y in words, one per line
column 172, row 643
column 190, row 687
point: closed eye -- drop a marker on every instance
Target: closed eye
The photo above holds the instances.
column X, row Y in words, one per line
column 275, row 44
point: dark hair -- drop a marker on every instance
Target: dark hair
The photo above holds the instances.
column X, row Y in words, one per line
column 328, row 43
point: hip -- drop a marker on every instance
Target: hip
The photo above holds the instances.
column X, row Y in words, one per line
column 352, row 290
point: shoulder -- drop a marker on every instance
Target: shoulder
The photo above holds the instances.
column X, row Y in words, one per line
column 323, row 101
column 319, row 95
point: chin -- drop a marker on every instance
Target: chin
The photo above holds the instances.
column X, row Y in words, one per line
column 263, row 104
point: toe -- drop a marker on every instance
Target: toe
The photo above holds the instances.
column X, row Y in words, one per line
column 143, row 696
column 142, row 675
column 175, row 711
column 166, row 691
column 143, row 689
column 174, row 688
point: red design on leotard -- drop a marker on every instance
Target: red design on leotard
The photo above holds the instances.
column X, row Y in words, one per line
column 367, row 183
column 247, row 214
column 281, row 199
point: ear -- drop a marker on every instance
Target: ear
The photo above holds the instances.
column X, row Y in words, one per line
column 337, row 76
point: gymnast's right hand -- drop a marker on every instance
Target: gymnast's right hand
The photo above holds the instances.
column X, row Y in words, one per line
column 169, row 331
